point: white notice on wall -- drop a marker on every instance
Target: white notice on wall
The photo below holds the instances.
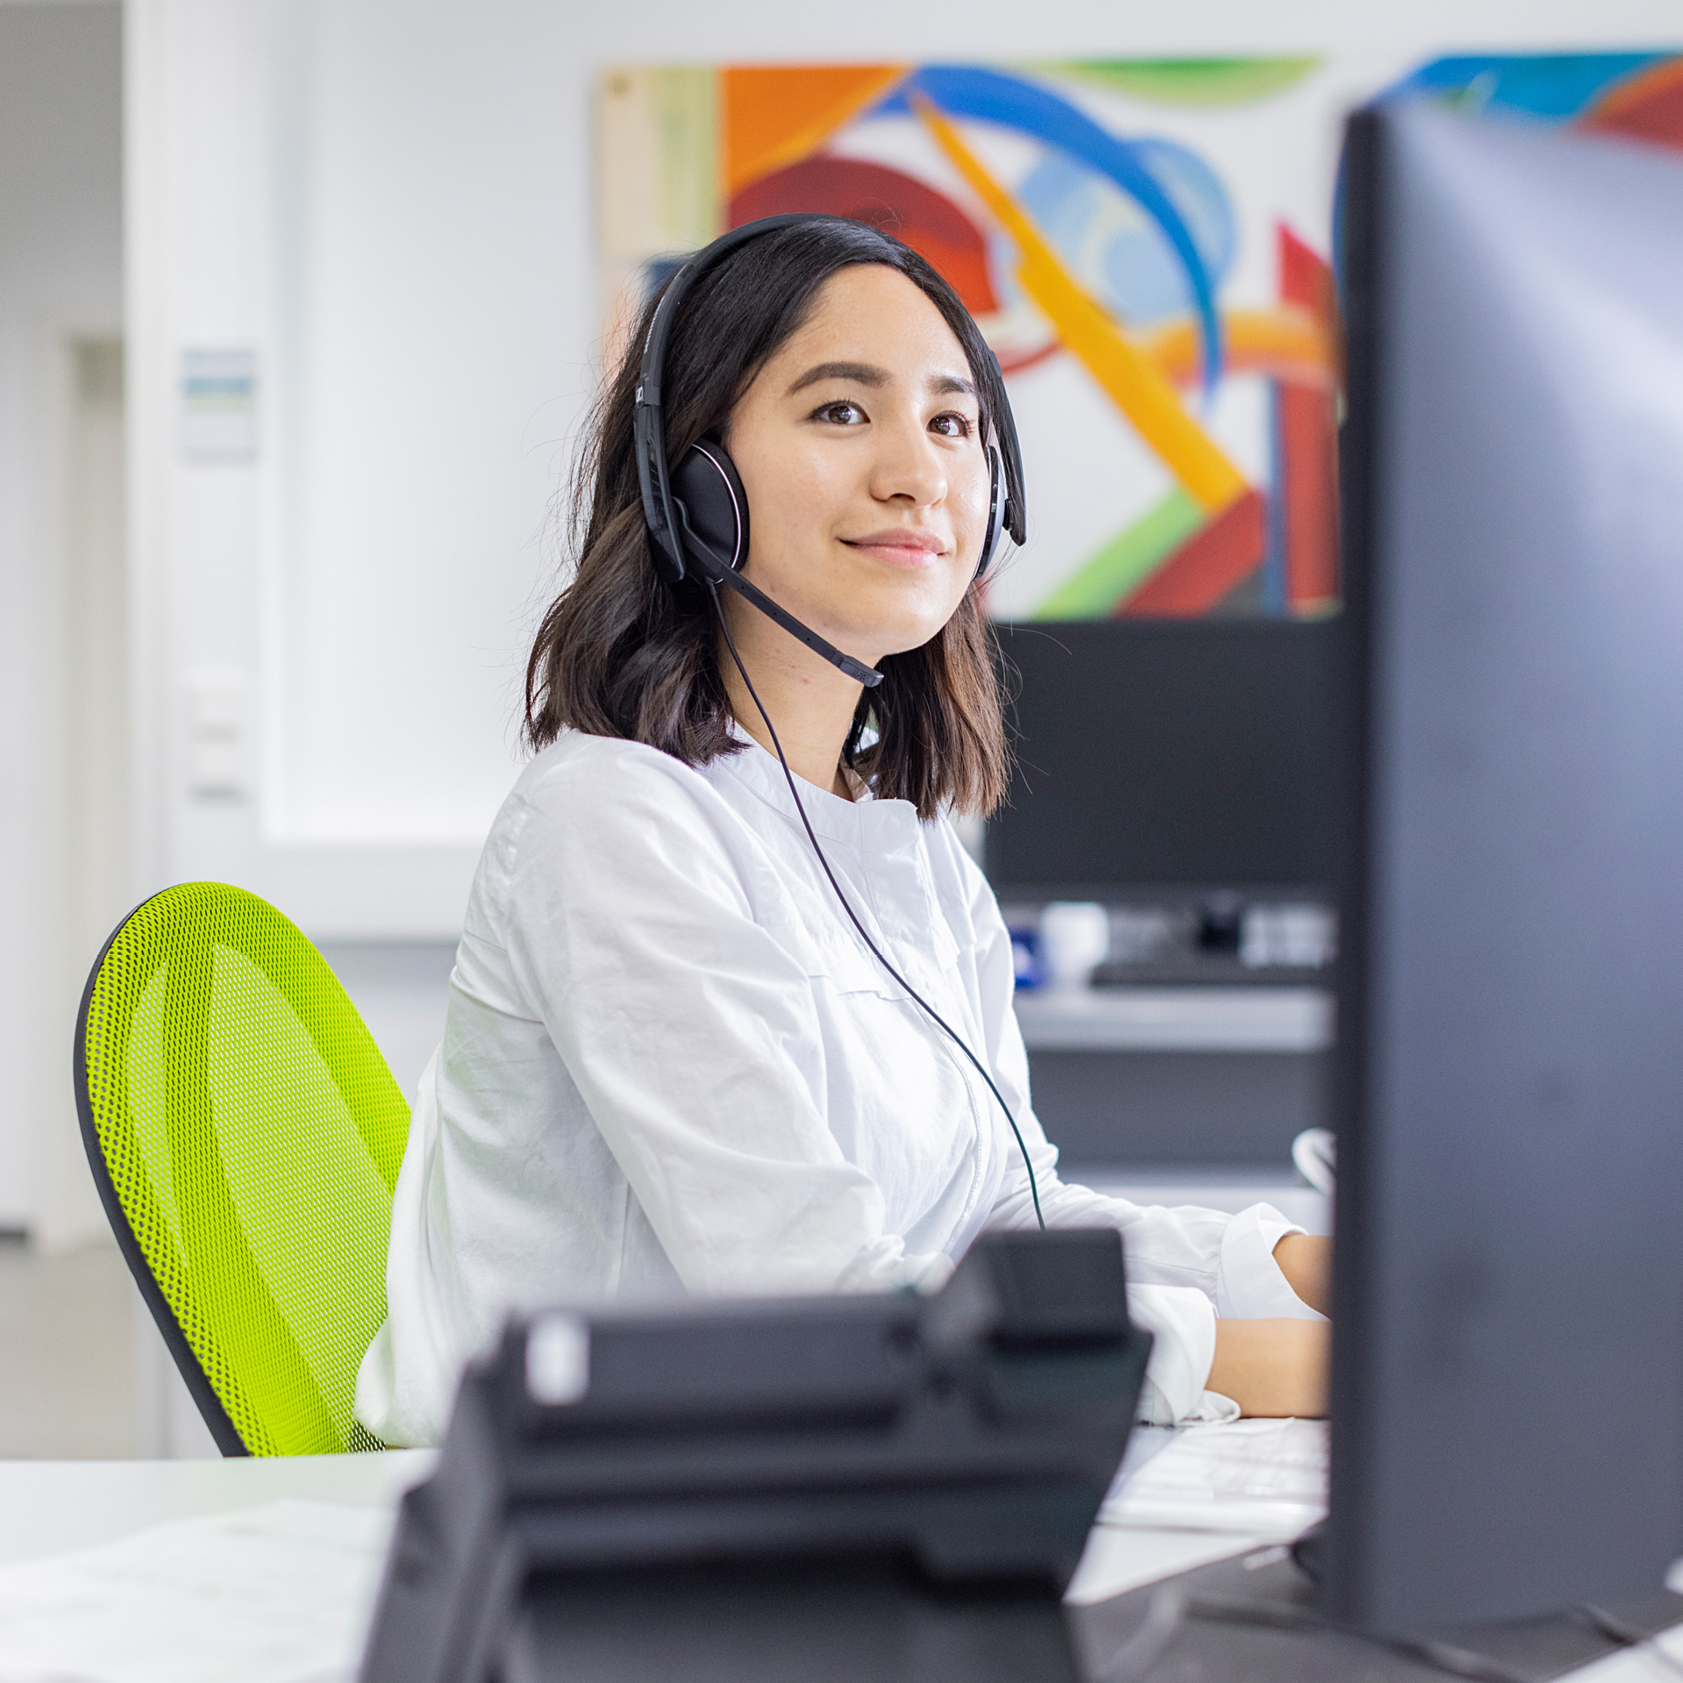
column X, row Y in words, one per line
column 219, row 405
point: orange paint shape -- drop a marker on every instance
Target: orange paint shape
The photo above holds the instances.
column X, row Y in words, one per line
column 1210, row 563
column 774, row 114
column 1647, row 107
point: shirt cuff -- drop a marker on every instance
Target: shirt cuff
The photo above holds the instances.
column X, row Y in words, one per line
column 1249, row 1283
column 1182, row 1324
column 1209, row 1408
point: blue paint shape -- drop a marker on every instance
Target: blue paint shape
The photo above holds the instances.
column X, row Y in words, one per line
column 1113, row 247
column 1551, row 86
column 993, row 97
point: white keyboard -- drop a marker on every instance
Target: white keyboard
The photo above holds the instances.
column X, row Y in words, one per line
column 1257, row 1477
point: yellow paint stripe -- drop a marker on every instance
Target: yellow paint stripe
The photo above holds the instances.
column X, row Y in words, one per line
column 1135, row 384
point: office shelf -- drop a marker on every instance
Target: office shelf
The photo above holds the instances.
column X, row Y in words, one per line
column 1183, row 1019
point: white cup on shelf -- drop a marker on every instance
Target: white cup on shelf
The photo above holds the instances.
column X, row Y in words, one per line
column 1074, row 940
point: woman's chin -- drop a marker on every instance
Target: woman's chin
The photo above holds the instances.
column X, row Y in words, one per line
column 896, row 628
column 876, row 644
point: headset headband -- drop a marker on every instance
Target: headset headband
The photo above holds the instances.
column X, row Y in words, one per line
column 654, row 342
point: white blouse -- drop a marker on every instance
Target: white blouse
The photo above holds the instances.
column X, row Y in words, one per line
column 671, row 1066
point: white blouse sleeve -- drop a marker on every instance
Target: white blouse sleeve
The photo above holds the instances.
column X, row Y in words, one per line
column 1186, row 1265
column 629, row 932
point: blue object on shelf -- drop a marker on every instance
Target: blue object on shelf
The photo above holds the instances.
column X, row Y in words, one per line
column 1025, row 957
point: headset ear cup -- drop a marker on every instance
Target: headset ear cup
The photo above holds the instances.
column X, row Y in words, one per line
column 715, row 505
column 996, row 508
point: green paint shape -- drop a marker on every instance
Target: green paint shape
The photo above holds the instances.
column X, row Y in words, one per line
column 1203, row 82
column 1107, row 577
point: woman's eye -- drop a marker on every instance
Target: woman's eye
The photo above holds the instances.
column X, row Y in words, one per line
column 952, row 425
column 842, row 414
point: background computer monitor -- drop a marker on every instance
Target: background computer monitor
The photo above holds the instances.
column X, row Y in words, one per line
column 1507, row 1413
column 1157, row 755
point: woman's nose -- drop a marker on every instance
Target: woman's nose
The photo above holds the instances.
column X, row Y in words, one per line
column 908, row 465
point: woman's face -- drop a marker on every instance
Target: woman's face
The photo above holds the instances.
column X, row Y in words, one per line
column 860, row 447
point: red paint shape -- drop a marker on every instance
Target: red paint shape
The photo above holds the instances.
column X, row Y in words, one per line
column 911, row 210
column 1647, row 107
column 1307, row 475
column 1207, row 565
column 1308, row 492
column 1014, row 362
column 1306, row 277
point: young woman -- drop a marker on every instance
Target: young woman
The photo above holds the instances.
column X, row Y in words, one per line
column 671, row 1064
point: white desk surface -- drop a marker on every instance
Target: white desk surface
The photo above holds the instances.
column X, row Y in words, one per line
column 48, row 1507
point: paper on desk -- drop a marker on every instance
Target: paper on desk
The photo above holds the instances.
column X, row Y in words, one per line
column 1260, row 1477
column 276, row 1594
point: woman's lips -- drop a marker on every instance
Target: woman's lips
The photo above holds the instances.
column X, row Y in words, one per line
column 906, row 549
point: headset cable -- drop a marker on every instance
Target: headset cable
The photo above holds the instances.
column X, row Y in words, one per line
column 847, row 906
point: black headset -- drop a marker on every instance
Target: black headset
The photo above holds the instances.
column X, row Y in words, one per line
column 698, row 521
column 698, row 514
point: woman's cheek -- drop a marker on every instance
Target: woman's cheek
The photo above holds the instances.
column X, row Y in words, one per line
column 781, row 521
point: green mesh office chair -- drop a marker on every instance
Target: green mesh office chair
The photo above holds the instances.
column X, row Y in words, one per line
column 245, row 1134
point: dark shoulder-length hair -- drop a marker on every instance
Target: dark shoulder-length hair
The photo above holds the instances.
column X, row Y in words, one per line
column 622, row 653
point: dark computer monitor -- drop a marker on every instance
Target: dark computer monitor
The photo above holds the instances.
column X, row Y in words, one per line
column 1158, row 755
column 1507, row 1411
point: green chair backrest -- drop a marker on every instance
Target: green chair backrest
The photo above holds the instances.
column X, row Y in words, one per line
column 246, row 1134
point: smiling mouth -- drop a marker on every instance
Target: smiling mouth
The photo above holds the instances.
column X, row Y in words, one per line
column 906, row 548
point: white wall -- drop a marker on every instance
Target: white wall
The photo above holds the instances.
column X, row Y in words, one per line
column 390, row 201
column 60, row 277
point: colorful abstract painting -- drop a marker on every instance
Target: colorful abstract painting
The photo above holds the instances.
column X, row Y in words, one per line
column 1146, row 246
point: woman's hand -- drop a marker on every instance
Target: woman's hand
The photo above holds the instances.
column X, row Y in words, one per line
column 1306, row 1262
column 1280, row 1367
column 1272, row 1367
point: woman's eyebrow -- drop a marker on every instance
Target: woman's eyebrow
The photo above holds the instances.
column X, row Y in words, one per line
column 862, row 373
column 940, row 384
